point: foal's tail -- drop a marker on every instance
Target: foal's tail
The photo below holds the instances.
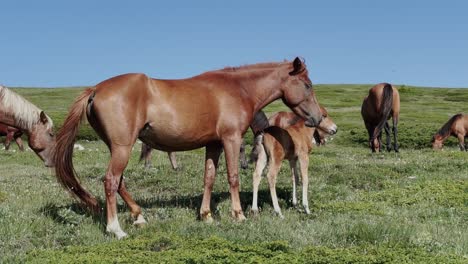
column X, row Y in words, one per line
column 63, row 154
column 385, row 108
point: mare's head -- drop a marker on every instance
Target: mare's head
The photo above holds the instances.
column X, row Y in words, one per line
column 437, row 142
column 42, row 140
column 299, row 95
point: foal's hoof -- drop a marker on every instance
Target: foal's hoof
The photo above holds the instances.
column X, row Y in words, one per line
column 207, row 218
column 140, row 221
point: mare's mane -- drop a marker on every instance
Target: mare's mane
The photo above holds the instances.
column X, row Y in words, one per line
column 446, row 128
column 24, row 112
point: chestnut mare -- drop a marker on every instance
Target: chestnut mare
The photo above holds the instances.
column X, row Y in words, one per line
column 211, row 110
column 17, row 112
column 382, row 103
column 456, row 126
column 287, row 138
column 11, row 133
column 259, row 123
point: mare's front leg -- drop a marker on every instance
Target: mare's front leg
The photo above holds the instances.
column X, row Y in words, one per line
column 112, row 182
column 461, row 141
column 173, row 160
column 231, row 149
column 211, row 165
column 9, row 138
column 19, row 142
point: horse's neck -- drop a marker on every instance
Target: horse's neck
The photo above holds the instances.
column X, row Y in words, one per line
column 262, row 89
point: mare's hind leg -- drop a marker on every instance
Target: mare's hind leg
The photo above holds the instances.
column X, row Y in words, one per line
column 304, row 163
column 294, row 178
column 135, row 210
column 387, row 134
column 119, row 159
column 257, row 175
column 213, row 151
column 395, row 133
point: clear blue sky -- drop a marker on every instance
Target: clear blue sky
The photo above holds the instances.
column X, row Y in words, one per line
column 64, row 43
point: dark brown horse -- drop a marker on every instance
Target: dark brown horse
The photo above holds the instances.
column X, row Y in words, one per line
column 17, row 112
column 457, row 126
column 286, row 139
column 11, row 133
column 382, row 103
column 211, row 110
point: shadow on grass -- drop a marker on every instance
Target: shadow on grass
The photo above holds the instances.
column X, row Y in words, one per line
column 194, row 201
column 73, row 214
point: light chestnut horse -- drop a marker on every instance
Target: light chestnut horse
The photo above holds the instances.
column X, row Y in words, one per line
column 18, row 112
column 211, row 110
column 382, row 103
column 287, row 139
column 259, row 123
column 457, row 126
column 11, row 133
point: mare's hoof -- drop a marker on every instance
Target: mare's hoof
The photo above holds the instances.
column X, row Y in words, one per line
column 207, row 218
column 238, row 216
column 140, row 221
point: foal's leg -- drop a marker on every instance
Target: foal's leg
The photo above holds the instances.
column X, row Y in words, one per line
column 172, row 159
column 119, row 159
column 231, row 149
column 294, row 178
column 211, row 165
column 257, row 175
column 273, row 169
column 19, row 142
column 304, row 163
column 135, row 210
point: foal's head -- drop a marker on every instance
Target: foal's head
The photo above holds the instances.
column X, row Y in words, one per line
column 299, row 95
column 326, row 128
column 42, row 140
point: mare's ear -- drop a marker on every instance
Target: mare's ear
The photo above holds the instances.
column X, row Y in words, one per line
column 298, row 66
column 43, row 117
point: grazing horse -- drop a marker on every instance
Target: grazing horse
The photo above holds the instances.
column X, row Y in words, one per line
column 259, row 123
column 17, row 112
column 382, row 103
column 211, row 110
column 287, row 139
column 457, row 126
column 11, row 133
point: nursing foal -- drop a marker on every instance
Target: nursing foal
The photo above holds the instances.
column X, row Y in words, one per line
column 287, row 138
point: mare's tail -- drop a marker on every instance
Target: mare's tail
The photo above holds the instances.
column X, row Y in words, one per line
column 63, row 155
column 385, row 108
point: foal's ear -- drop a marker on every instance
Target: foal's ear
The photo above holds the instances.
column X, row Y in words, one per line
column 43, row 117
column 298, row 66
